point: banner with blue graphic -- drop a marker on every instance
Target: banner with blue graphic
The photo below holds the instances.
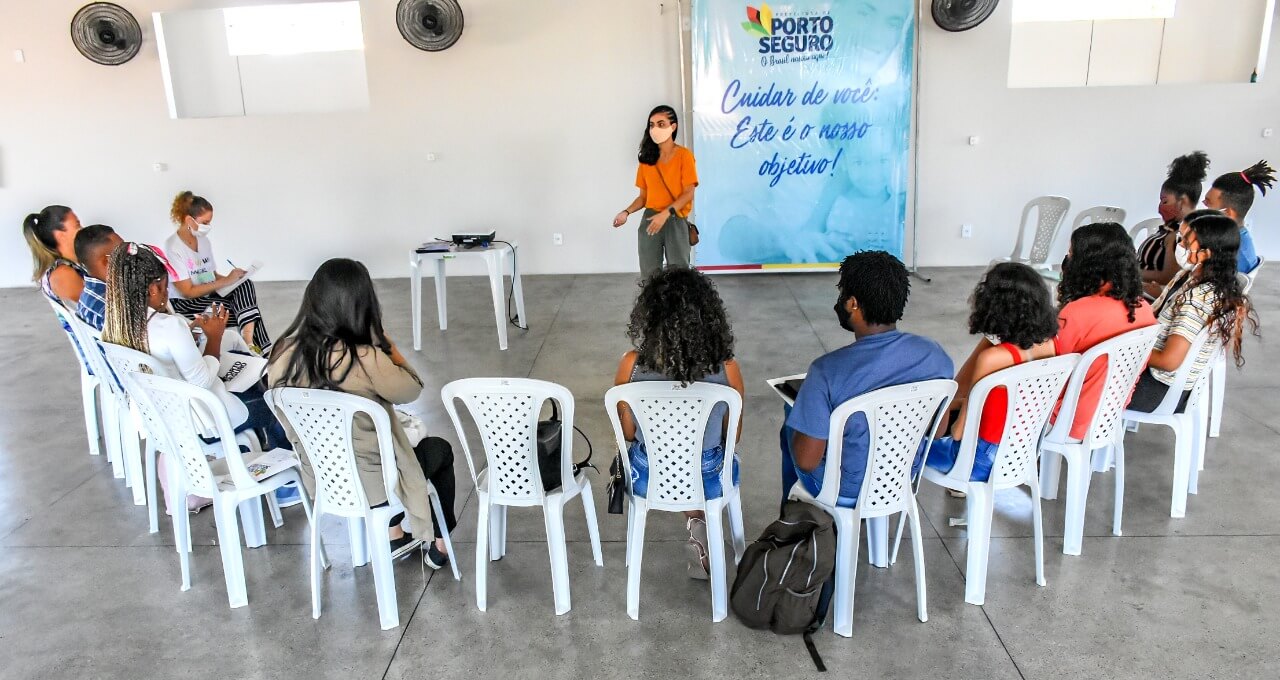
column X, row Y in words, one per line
column 801, row 128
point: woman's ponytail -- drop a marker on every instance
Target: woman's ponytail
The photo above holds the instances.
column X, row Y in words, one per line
column 38, row 230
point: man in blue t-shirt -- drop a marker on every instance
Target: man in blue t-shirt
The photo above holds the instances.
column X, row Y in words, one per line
column 873, row 295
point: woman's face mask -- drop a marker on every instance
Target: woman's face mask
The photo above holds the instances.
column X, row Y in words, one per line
column 660, row 134
column 1183, row 257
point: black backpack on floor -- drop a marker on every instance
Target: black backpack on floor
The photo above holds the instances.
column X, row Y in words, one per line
column 784, row 580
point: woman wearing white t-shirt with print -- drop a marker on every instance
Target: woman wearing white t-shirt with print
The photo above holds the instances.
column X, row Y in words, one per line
column 195, row 288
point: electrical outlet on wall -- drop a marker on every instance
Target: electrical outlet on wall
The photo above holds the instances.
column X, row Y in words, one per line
column 557, row 239
column 966, row 231
column 19, row 56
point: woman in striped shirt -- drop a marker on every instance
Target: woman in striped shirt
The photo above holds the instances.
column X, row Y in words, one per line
column 1205, row 294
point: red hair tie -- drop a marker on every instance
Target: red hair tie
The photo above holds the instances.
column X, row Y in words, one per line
column 1245, row 178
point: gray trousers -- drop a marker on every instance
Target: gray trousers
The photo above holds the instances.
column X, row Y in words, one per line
column 673, row 241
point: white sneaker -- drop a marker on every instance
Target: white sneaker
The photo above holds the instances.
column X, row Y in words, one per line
column 696, row 549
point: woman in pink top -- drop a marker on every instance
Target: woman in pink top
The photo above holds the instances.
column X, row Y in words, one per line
column 1101, row 297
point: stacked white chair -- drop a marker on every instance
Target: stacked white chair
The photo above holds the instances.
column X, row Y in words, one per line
column 505, row 411
column 1098, row 213
column 1218, row 381
column 1036, row 241
column 323, row 422
column 88, row 382
column 1143, row 230
column 898, row 418
column 674, row 419
column 120, row 428
column 1033, row 389
column 1123, row 359
column 169, row 409
column 1188, row 432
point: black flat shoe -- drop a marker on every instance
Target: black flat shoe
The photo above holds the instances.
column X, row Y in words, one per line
column 404, row 544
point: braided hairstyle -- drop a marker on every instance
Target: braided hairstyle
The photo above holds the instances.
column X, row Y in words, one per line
column 1232, row 309
column 679, row 327
column 1236, row 188
column 1102, row 254
column 38, row 229
column 648, row 152
column 1186, row 176
column 187, row 204
column 131, row 270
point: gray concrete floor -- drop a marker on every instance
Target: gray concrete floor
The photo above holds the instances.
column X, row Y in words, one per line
column 85, row 591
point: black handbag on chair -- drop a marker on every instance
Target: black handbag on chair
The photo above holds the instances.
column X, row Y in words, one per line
column 549, row 450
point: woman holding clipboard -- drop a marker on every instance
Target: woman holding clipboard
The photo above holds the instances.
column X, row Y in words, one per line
column 666, row 177
column 195, row 287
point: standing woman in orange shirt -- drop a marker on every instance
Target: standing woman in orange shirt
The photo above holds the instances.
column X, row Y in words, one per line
column 667, row 177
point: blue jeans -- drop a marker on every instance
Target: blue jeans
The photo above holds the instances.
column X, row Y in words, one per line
column 942, row 457
column 712, row 463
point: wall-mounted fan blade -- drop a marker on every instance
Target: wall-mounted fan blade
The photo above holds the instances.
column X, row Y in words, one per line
column 106, row 33
column 429, row 25
column 961, row 15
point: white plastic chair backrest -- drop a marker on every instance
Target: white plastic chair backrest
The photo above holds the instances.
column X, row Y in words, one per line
column 323, row 421
column 1143, row 230
column 1182, row 377
column 1250, row 277
column 899, row 419
column 90, row 342
column 1051, row 211
column 1033, row 389
column 505, row 411
column 168, row 409
column 1098, row 213
column 61, row 313
column 674, row 419
column 1122, row 358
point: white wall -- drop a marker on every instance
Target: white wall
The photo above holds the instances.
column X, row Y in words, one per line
column 535, row 115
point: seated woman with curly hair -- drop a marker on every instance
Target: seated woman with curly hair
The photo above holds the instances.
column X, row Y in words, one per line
column 1100, row 297
column 680, row 332
column 1012, row 311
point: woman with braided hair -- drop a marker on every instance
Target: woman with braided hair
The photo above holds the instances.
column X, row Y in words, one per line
column 138, row 317
column 1178, row 196
column 1232, row 193
column 680, row 332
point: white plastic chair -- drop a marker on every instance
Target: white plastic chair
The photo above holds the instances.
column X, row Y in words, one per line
column 1033, row 388
column 169, row 408
column 1143, row 230
column 1218, row 380
column 1122, row 358
column 323, row 422
column 505, row 411
column 126, row 360
column 88, row 382
column 1034, row 242
column 674, row 419
column 899, row 418
column 1188, row 432
column 1098, row 213
column 120, row 428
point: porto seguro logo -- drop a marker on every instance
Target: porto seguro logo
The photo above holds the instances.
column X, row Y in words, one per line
column 795, row 33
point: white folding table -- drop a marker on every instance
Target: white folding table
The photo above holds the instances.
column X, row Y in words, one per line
column 495, row 258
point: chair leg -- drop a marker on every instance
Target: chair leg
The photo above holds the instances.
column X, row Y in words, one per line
column 1079, row 473
column 359, row 542
column 229, row 544
column 255, row 530
column 979, row 511
column 132, row 453
column 153, row 510
column 1050, row 474
column 1198, row 445
column 593, row 527
column 317, row 557
column 483, row 519
column 1037, row 521
column 878, row 542
column 736, row 530
column 1217, row 394
column 631, row 515
column 111, row 435
column 848, row 536
column 557, row 548
column 182, row 532
column 444, row 529
column 635, row 553
column 1182, row 462
column 89, row 397
column 313, row 523
column 384, row 578
column 273, row 507
column 714, row 513
column 1118, row 510
column 497, row 532
column 917, row 549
